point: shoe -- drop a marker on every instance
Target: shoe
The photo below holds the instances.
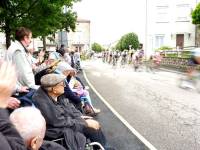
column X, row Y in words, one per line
column 187, row 85
column 96, row 110
column 87, row 87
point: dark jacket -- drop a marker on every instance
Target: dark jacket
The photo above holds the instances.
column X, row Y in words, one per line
column 71, row 96
column 9, row 137
column 62, row 119
column 49, row 145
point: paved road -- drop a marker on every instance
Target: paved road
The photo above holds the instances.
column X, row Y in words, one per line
column 167, row 116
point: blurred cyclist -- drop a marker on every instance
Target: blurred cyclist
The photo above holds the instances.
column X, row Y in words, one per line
column 192, row 73
column 193, row 62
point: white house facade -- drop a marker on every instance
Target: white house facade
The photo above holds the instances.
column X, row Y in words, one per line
column 80, row 39
column 169, row 23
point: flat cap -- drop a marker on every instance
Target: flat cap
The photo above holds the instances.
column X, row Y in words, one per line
column 51, row 80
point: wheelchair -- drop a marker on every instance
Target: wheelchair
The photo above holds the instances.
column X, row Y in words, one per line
column 89, row 145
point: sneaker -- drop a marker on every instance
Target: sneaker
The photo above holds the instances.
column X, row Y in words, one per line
column 187, row 85
column 87, row 87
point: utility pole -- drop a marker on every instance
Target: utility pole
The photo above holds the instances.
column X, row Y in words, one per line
column 146, row 30
column 196, row 31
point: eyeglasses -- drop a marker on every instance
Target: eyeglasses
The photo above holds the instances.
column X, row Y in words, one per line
column 61, row 84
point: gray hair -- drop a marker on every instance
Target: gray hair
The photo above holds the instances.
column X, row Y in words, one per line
column 29, row 122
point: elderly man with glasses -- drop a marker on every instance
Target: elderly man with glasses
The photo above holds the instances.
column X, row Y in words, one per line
column 62, row 118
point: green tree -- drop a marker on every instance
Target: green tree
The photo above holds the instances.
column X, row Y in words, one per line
column 196, row 15
column 196, row 20
column 127, row 40
column 43, row 17
column 97, row 47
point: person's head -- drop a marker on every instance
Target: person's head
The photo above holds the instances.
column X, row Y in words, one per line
column 61, row 51
column 65, row 69
column 23, row 35
column 72, row 53
column 30, row 124
column 54, row 84
column 41, row 53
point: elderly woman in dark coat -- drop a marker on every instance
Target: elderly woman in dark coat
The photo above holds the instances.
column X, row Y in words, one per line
column 62, row 119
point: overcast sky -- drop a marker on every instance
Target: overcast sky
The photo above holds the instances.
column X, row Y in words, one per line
column 110, row 19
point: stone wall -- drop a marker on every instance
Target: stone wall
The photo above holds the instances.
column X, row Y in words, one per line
column 180, row 64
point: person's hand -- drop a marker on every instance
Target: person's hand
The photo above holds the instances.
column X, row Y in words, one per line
column 93, row 124
column 23, row 89
column 34, row 66
column 13, row 103
column 7, row 82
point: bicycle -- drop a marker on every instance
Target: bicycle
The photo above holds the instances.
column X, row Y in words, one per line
column 193, row 83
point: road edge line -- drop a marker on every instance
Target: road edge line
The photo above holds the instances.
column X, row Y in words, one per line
column 134, row 131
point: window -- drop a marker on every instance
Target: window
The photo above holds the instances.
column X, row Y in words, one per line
column 159, row 41
column 183, row 12
column 162, row 15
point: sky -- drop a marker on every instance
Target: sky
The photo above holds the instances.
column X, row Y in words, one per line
column 111, row 19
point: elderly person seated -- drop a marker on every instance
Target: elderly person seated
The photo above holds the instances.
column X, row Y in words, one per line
column 62, row 119
column 75, row 85
column 31, row 125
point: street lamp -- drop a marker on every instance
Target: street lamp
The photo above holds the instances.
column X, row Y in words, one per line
column 78, row 39
column 63, row 36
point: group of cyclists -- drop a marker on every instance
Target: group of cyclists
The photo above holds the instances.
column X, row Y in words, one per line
column 138, row 61
column 134, row 58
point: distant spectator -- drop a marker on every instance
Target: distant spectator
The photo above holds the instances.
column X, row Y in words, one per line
column 67, row 57
column 72, row 59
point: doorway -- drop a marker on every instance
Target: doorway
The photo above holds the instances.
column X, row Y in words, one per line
column 180, row 41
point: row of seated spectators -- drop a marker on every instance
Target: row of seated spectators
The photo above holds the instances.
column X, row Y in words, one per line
column 55, row 96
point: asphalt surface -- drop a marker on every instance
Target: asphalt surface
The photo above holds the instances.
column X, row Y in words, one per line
column 117, row 134
column 167, row 116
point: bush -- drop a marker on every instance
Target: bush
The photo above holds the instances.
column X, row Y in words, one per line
column 165, row 48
